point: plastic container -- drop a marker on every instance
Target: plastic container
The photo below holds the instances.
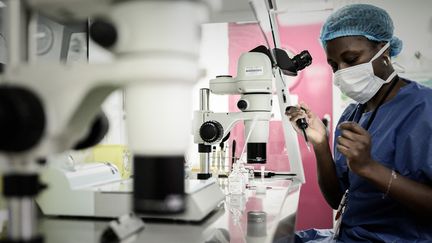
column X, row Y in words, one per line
column 236, row 181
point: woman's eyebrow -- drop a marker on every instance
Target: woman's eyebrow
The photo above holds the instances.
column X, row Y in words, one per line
column 351, row 52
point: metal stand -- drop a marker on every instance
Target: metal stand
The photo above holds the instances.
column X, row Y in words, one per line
column 19, row 191
column 204, row 150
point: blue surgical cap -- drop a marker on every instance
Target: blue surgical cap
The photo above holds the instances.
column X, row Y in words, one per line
column 361, row 19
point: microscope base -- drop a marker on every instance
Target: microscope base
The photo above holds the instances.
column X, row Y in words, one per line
column 202, row 198
column 113, row 198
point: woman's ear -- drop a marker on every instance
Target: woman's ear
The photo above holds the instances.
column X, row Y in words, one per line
column 386, row 60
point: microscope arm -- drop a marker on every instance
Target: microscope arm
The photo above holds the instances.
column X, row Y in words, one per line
column 291, row 140
column 72, row 95
column 228, row 120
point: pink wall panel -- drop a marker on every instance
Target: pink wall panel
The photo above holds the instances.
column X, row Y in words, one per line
column 313, row 87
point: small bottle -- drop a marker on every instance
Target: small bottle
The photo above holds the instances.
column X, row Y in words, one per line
column 226, row 159
column 213, row 158
column 261, row 188
column 245, row 173
column 236, row 205
column 236, row 183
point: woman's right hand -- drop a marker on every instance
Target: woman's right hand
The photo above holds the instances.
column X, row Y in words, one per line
column 316, row 131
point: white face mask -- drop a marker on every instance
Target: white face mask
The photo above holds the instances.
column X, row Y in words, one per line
column 359, row 82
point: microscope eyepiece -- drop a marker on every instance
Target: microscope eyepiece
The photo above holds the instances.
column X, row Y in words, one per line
column 302, row 60
column 289, row 66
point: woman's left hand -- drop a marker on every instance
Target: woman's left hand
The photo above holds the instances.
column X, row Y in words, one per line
column 355, row 144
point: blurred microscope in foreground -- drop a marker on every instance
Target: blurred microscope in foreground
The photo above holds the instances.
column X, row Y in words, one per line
column 55, row 107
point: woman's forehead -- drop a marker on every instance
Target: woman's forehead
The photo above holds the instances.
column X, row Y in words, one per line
column 340, row 45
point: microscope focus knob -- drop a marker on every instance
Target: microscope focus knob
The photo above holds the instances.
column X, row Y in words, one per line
column 211, row 131
column 242, row 105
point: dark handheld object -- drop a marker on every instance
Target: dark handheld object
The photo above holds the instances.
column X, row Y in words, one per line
column 301, row 123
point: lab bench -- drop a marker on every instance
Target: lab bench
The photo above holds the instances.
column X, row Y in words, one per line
column 251, row 217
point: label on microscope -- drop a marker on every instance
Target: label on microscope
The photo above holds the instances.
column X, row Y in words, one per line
column 254, row 71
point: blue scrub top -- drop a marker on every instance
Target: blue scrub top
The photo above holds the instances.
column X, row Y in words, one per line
column 401, row 140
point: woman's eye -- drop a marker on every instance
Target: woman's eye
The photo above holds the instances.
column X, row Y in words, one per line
column 334, row 68
column 351, row 60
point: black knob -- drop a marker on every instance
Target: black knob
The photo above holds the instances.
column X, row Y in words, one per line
column 104, row 33
column 22, row 119
column 242, row 105
column 211, row 131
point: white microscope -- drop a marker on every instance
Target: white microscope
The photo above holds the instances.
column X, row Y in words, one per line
column 50, row 108
column 254, row 82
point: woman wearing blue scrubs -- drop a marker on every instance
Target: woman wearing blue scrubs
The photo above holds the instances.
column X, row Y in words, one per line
column 380, row 177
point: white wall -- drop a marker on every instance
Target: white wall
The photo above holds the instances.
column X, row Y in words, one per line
column 214, row 60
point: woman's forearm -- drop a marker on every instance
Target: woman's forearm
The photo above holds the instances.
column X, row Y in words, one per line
column 416, row 196
column 327, row 178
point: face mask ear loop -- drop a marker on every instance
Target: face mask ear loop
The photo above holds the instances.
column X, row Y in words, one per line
column 390, row 78
column 398, row 67
column 379, row 53
column 385, row 47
